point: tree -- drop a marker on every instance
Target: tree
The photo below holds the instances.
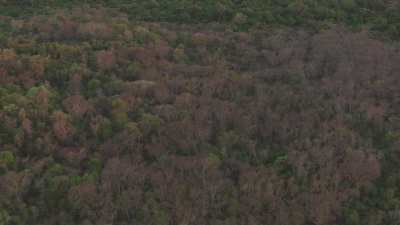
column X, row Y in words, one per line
column 62, row 128
column 76, row 105
column 105, row 60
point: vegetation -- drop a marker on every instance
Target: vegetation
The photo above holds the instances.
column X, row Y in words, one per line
column 199, row 112
column 379, row 15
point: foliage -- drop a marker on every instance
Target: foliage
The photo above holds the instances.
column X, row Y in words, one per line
column 379, row 15
column 194, row 112
column 7, row 158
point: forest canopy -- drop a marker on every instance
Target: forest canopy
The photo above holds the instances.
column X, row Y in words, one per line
column 199, row 112
column 378, row 15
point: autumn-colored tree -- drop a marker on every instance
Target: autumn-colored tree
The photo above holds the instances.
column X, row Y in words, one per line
column 76, row 105
column 105, row 60
column 62, row 128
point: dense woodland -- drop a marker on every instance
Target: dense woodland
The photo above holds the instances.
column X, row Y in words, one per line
column 378, row 15
column 199, row 112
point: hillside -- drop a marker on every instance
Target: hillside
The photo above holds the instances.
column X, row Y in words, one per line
column 199, row 112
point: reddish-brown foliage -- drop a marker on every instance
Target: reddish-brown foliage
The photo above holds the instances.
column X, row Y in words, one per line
column 62, row 128
column 105, row 60
column 76, row 105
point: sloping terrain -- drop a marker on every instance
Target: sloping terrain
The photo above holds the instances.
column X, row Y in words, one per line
column 109, row 120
